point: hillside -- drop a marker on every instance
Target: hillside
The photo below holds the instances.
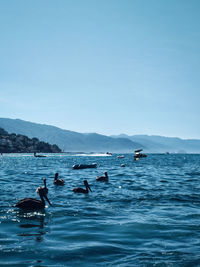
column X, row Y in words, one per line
column 12, row 143
column 69, row 141
column 161, row 144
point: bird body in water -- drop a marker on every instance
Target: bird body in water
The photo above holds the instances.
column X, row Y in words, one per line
column 35, row 204
column 103, row 178
column 58, row 181
column 82, row 190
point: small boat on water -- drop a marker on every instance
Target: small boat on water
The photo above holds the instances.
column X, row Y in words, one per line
column 84, row 166
column 139, row 155
column 120, row 156
column 39, row 156
column 109, row 153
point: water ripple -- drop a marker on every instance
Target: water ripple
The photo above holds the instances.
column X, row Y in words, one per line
column 146, row 215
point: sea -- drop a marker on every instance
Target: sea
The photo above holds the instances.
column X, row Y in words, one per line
column 147, row 214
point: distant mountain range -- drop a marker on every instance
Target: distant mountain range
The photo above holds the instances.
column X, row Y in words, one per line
column 70, row 141
column 161, row 144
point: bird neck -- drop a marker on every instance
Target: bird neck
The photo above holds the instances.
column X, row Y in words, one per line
column 86, row 188
column 42, row 198
column 56, row 177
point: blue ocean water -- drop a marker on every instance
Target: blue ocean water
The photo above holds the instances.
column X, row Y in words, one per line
column 148, row 214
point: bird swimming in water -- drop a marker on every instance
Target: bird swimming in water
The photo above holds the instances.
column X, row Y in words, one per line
column 81, row 190
column 58, row 181
column 103, row 178
column 35, row 204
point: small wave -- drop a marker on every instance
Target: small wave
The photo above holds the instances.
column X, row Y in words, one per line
column 193, row 173
column 91, row 155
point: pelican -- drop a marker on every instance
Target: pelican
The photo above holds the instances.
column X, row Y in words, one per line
column 58, row 181
column 81, row 190
column 103, row 178
column 35, row 204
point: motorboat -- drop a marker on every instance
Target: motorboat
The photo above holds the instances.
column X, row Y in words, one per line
column 139, row 155
column 120, row 156
column 39, row 156
column 84, row 166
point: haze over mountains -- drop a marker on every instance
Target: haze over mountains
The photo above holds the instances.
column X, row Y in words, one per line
column 70, row 141
column 161, row 144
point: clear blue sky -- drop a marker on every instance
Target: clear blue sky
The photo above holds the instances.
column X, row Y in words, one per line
column 106, row 66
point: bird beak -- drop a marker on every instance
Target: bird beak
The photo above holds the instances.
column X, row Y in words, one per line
column 89, row 188
column 48, row 200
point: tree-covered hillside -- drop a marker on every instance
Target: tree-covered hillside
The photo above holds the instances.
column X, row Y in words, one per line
column 17, row 143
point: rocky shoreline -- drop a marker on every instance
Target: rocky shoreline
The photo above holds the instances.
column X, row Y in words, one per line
column 17, row 143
